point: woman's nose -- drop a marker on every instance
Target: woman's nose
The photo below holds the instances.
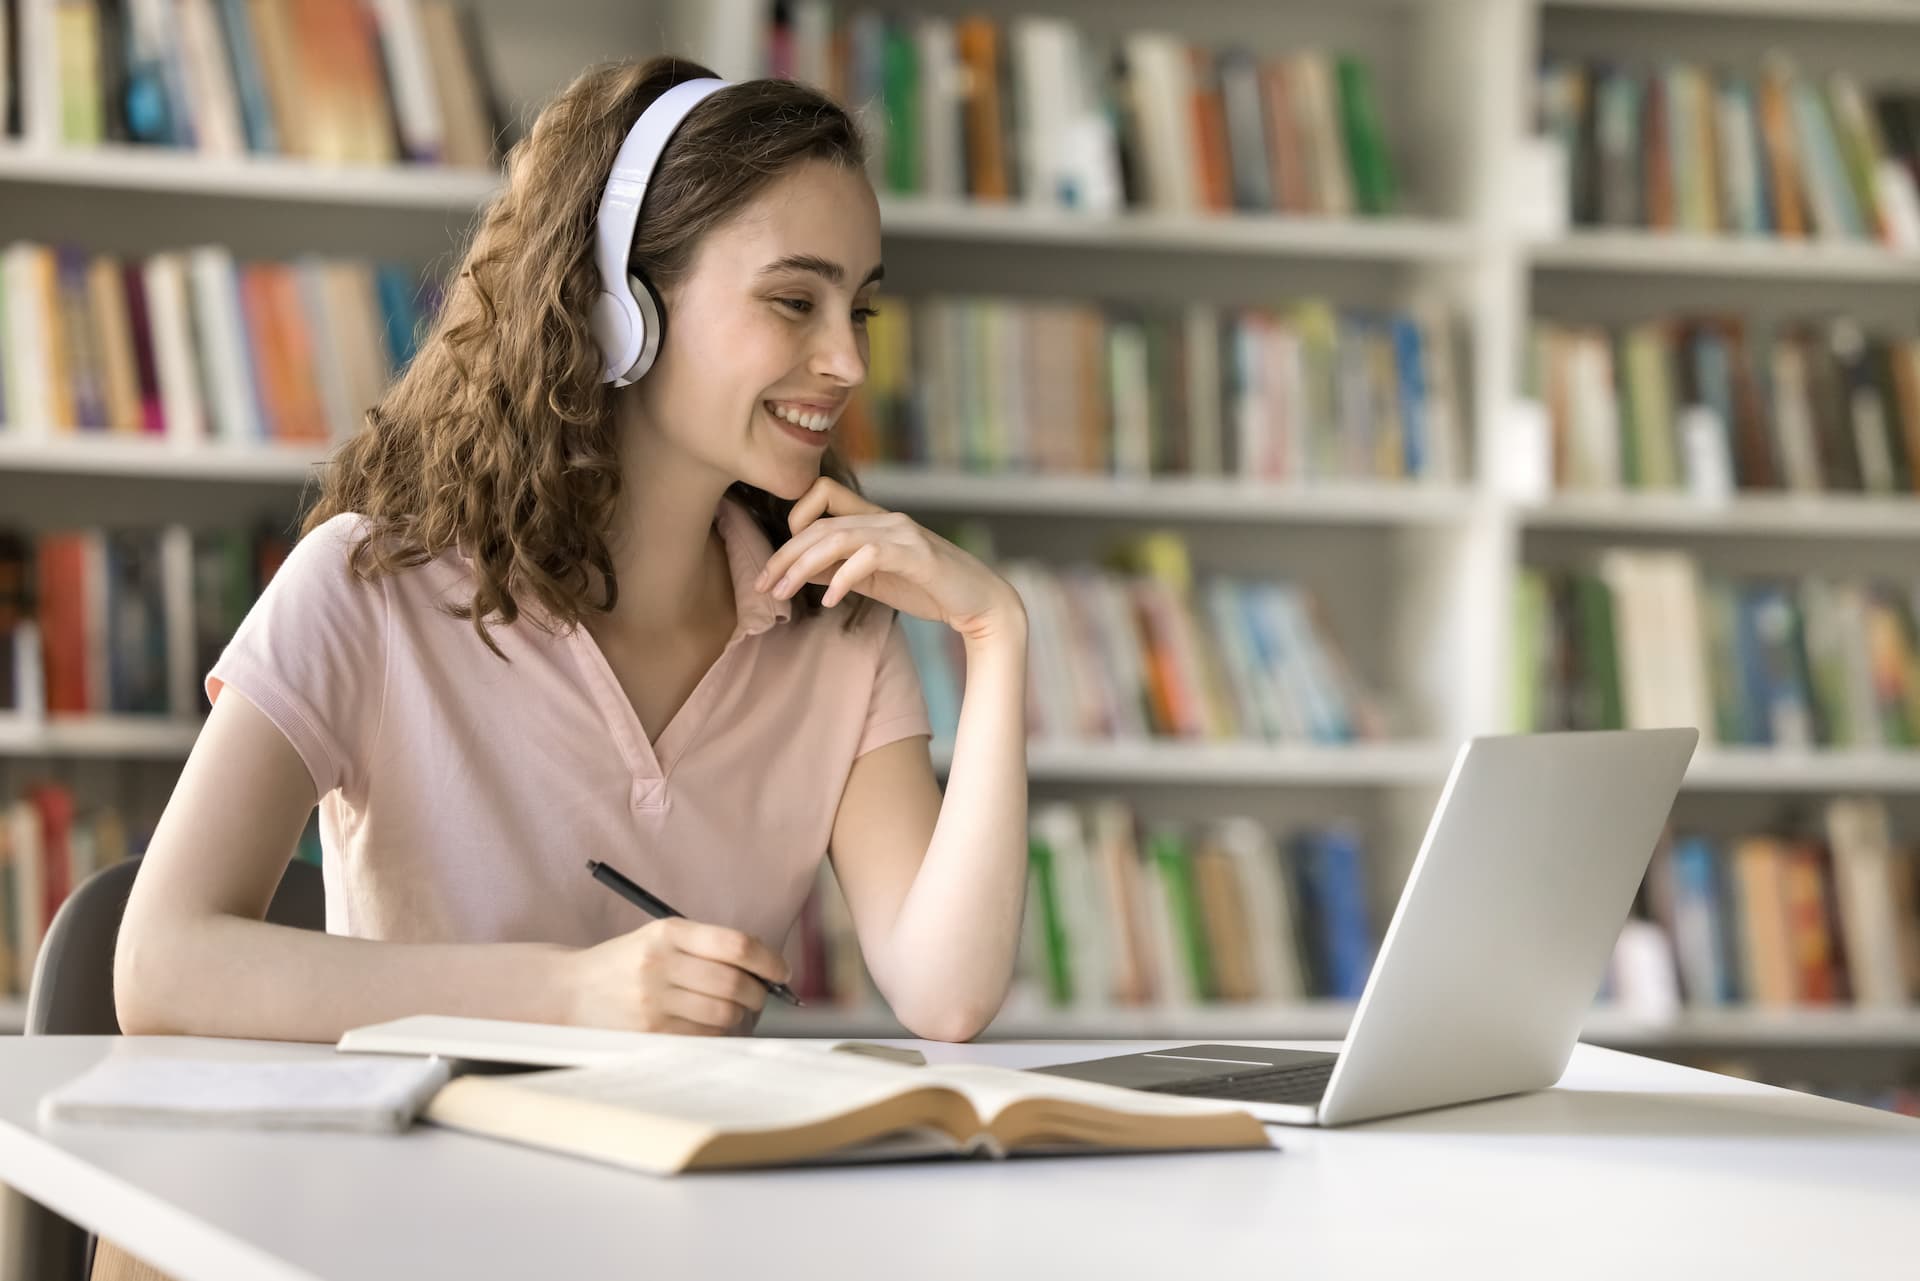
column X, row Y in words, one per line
column 839, row 356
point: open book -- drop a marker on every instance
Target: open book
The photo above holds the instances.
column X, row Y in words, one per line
column 667, row 1104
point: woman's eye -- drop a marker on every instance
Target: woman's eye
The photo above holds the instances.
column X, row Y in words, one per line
column 800, row 305
column 861, row 315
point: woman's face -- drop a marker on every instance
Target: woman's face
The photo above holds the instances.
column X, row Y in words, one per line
column 768, row 326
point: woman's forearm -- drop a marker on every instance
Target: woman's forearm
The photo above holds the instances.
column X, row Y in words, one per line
column 222, row 975
column 953, row 943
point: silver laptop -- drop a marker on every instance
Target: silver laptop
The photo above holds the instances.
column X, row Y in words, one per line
column 1495, row 952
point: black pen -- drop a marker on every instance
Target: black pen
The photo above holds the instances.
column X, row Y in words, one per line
column 626, row 889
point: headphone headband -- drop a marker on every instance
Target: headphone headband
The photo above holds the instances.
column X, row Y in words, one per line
column 626, row 320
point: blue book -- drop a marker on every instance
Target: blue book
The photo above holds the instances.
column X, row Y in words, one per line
column 244, row 56
column 1742, row 90
column 1700, row 923
column 1713, row 376
column 395, row 288
column 1336, row 900
column 1749, row 658
column 1787, row 701
column 1413, row 394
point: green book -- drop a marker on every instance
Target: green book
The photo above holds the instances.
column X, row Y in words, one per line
column 900, row 96
column 1720, row 616
column 1593, row 616
column 1529, row 615
column 1053, row 932
column 1373, row 185
column 1169, row 855
column 1629, row 410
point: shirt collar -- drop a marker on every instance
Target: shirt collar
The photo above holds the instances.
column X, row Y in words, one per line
column 748, row 551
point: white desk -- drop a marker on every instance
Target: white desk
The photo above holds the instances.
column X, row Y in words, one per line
column 1629, row 1168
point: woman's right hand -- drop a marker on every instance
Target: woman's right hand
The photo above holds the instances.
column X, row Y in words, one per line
column 673, row 975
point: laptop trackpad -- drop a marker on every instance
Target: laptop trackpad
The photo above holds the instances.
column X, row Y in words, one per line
column 1182, row 1063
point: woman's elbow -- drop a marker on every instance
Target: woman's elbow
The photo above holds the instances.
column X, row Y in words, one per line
column 952, row 1022
column 139, row 992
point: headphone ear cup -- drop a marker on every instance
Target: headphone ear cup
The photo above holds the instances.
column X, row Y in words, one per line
column 653, row 324
column 613, row 330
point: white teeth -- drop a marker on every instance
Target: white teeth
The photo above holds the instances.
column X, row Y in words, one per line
column 812, row 422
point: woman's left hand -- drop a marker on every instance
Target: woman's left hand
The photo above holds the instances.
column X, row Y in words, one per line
column 850, row 544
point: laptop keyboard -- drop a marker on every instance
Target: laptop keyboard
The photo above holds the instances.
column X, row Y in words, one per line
column 1302, row 1084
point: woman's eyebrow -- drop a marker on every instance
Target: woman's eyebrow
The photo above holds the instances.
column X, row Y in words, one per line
column 819, row 266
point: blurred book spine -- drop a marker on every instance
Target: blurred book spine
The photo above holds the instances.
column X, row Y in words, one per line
column 346, row 82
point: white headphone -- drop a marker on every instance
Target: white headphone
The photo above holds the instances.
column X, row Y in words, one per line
column 627, row 319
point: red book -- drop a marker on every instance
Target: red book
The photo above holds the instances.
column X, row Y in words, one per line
column 61, row 570
column 145, row 369
column 1811, row 945
column 53, row 805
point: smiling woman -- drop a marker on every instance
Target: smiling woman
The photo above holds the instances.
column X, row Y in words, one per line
column 581, row 590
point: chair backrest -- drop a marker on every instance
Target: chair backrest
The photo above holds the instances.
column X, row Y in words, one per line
column 72, row 991
column 72, row 995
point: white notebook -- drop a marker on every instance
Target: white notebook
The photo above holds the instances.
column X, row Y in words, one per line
column 554, row 1045
column 375, row 1093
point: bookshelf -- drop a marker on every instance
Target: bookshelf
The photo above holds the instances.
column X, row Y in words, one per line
column 1425, row 574
column 1649, row 254
column 271, row 178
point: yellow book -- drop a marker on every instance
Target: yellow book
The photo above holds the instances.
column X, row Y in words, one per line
column 671, row 1104
column 113, row 340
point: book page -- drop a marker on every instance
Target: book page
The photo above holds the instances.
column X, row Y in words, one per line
column 993, row 1089
column 720, row 1088
column 554, row 1045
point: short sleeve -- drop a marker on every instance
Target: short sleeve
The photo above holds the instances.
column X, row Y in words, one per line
column 311, row 654
column 895, row 709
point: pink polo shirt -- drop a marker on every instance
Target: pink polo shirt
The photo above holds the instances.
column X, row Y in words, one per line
column 461, row 797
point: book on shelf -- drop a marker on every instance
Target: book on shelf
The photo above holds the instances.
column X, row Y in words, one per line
column 196, row 347
column 1138, row 650
column 1033, row 108
column 1706, row 403
column 1644, row 638
column 1765, row 150
column 1303, row 393
column 1123, row 913
column 1825, row 915
column 122, row 620
column 330, row 81
column 677, row 1104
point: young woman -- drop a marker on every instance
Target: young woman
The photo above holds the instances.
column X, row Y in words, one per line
column 544, row 613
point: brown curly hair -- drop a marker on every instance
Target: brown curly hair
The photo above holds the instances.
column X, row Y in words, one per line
column 498, row 440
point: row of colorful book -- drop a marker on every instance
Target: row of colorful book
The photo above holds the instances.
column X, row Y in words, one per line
column 1708, row 403
column 1774, row 920
column 1645, row 638
column 124, row 621
column 1140, row 650
column 331, row 81
column 1679, row 146
column 1034, row 109
column 50, row 842
column 1122, row 912
column 1304, row 392
column 196, row 347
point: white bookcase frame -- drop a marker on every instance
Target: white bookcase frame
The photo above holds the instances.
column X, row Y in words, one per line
column 1433, row 565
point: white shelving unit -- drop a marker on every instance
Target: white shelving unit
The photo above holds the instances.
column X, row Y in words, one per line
column 1424, row 574
column 1674, row 253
